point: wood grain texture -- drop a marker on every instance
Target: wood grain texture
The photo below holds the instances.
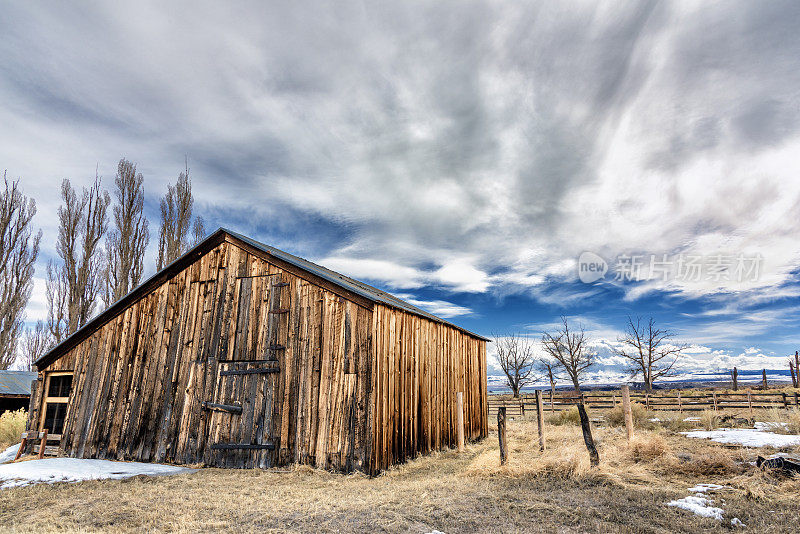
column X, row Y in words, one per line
column 321, row 379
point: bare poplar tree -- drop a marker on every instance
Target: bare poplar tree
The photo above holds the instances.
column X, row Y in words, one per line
column 127, row 241
column 649, row 350
column 515, row 356
column 570, row 350
column 198, row 230
column 19, row 247
column 36, row 342
column 74, row 284
column 176, row 217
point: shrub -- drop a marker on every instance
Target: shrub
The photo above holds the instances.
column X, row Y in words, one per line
column 565, row 417
column 616, row 416
column 12, row 424
column 709, row 419
column 645, row 449
column 793, row 418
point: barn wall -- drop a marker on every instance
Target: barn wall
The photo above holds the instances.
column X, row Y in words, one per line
column 140, row 380
column 420, row 366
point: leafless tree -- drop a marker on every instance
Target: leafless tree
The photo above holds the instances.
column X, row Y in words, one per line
column 176, row 218
column 516, row 359
column 127, row 241
column 649, row 350
column 36, row 342
column 570, row 350
column 198, row 230
column 19, row 247
column 548, row 368
column 74, row 283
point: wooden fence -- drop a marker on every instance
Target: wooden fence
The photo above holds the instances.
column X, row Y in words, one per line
column 674, row 400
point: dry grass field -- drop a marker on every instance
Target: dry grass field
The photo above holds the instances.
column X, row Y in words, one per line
column 12, row 424
column 553, row 491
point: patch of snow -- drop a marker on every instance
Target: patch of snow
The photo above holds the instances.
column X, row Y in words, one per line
column 736, row 522
column 704, row 488
column 746, row 437
column 9, row 454
column 698, row 505
column 52, row 470
column 655, row 420
column 767, row 427
column 692, row 419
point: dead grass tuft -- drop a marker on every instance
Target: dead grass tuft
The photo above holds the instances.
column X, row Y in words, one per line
column 565, row 417
column 12, row 424
column 709, row 419
column 616, row 416
column 648, row 448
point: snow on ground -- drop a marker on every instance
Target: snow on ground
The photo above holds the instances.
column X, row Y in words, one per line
column 747, row 437
column 770, row 426
column 8, row 454
column 52, row 470
column 705, row 488
column 692, row 419
column 700, row 504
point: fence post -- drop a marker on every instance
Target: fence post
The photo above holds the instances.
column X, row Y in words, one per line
column 797, row 367
column 647, row 401
column 501, row 434
column 613, row 400
column 785, row 402
column 735, row 379
column 764, row 378
column 43, row 444
column 540, row 418
column 626, row 407
column 750, row 402
column 680, row 403
column 714, row 393
column 460, row 420
column 796, row 403
column 552, row 405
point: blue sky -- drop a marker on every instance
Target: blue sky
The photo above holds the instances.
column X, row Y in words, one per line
column 460, row 154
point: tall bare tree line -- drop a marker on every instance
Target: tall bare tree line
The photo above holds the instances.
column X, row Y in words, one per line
column 127, row 241
column 19, row 248
column 85, row 271
column 74, row 282
column 176, row 220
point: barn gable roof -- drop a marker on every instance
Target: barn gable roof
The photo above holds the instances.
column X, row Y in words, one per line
column 16, row 383
column 347, row 287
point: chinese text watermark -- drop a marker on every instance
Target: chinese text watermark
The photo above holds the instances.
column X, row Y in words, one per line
column 679, row 267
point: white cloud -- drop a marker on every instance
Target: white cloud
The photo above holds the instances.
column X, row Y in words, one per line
column 440, row 308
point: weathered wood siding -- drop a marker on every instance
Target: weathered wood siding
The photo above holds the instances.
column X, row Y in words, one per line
column 420, row 366
column 140, row 381
column 239, row 360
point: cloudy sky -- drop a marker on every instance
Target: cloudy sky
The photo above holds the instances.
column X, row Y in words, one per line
column 463, row 155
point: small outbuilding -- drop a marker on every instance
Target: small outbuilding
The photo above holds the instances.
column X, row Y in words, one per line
column 15, row 389
column 241, row 355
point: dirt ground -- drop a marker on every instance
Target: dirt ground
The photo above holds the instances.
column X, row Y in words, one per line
column 551, row 491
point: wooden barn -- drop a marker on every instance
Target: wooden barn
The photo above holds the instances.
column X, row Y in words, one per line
column 241, row 355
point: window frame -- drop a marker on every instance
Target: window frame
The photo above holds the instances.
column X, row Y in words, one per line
column 46, row 399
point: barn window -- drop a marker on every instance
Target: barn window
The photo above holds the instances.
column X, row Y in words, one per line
column 54, row 405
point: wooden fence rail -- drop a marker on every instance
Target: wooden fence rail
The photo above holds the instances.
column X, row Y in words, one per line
column 666, row 401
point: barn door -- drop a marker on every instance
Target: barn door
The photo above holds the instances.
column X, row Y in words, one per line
column 242, row 421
